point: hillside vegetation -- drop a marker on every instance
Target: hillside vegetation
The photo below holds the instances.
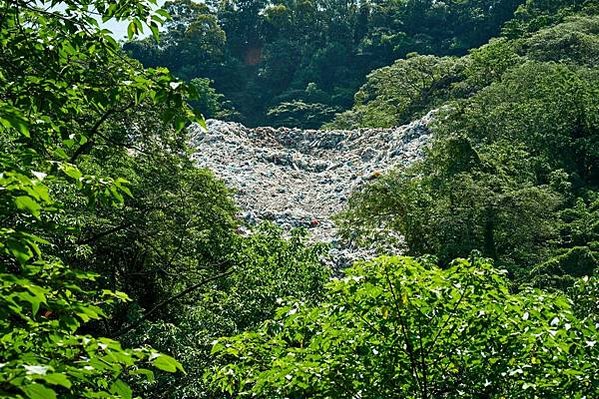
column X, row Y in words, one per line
column 514, row 168
column 290, row 62
column 126, row 272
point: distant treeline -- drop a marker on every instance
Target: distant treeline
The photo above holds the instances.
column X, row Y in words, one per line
column 298, row 62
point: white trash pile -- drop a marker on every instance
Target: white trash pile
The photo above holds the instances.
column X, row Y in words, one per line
column 300, row 178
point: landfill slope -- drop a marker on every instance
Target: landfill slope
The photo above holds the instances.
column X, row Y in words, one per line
column 300, row 178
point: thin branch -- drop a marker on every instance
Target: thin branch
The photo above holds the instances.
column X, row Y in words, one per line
column 89, row 144
column 169, row 300
column 423, row 363
column 404, row 329
column 104, row 233
column 455, row 308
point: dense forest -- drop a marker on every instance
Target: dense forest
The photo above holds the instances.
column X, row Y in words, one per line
column 291, row 62
column 123, row 270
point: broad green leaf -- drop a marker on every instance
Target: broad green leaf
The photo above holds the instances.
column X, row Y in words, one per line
column 34, row 300
column 58, row 379
column 163, row 13
column 38, row 391
column 155, row 31
column 26, row 203
column 16, row 122
column 19, row 250
column 131, row 30
column 121, row 388
column 166, row 363
column 71, row 171
column 145, row 372
column 179, row 123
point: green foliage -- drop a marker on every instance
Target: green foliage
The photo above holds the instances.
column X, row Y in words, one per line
column 211, row 103
column 264, row 268
column 175, row 231
column 513, row 168
column 545, row 107
column 192, row 37
column 576, row 40
column 396, row 94
column 173, row 235
column 300, row 114
column 585, row 298
column 486, row 65
column 452, row 214
column 562, row 270
column 398, row 327
column 63, row 80
column 260, row 54
column 44, row 303
column 533, row 15
column 579, row 231
column 98, row 177
column 43, row 357
column 581, row 222
column 97, row 188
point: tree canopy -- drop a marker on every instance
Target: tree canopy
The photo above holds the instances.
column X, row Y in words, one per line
column 66, row 86
column 263, row 55
column 402, row 327
column 516, row 140
column 125, row 270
